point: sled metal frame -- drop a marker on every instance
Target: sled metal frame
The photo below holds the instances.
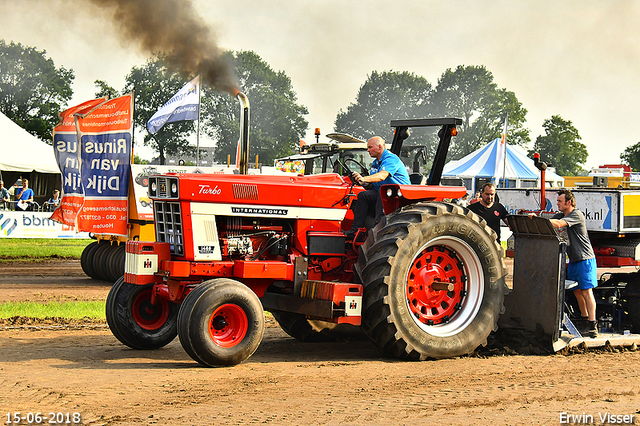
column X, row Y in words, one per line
column 536, row 303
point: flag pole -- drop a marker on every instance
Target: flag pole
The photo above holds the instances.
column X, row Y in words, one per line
column 198, row 129
column 504, row 156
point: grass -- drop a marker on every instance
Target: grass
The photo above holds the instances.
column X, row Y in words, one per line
column 35, row 249
column 74, row 310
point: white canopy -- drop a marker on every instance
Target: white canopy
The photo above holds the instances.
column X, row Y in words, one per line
column 23, row 152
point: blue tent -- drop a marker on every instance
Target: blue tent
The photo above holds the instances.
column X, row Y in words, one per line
column 519, row 170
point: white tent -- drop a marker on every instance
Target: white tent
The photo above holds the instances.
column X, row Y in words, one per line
column 25, row 156
column 23, row 152
column 519, row 170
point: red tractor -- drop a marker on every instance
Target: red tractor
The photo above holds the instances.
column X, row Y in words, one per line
column 427, row 282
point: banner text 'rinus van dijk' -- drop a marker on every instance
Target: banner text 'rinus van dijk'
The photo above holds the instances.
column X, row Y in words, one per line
column 99, row 180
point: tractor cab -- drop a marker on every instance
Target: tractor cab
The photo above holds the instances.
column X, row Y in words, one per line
column 416, row 146
column 323, row 157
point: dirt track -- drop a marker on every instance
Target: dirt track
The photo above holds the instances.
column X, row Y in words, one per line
column 86, row 370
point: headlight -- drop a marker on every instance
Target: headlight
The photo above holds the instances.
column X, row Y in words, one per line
column 389, row 192
column 399, row 193
column 152, row 187
column 174, row 189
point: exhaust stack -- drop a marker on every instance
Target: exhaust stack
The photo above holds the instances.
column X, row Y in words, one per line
column 243, row 143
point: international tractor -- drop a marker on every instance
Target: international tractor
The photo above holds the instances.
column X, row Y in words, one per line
column 428, row 281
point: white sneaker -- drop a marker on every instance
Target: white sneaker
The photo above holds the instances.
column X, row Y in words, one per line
column 570, row 284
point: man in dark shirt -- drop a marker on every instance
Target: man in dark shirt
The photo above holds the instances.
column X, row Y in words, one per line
column 490, row 210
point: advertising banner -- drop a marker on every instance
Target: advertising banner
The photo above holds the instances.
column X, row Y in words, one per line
column 19, row 224
column 96, row 169
column 604, row 210
column 66, row 147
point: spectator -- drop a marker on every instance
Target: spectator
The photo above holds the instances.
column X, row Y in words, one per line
column 489, row 209
column 475, row 199
column 53, row 202
column 24, row 196
column 4, row 194
column 464, row 200
column 582, row 260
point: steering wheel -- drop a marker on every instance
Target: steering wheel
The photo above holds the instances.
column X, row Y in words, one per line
column 363, row 169
column 346, row 169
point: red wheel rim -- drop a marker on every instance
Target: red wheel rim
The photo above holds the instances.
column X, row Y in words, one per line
column 435, row 264
column 148, row 316
column 228, row 325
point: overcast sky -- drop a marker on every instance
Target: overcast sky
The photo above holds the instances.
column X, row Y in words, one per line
column 576, row 58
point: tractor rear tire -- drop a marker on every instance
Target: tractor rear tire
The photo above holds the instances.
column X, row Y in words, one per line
column 96, row 260
column 307, row 330
column 221, row 322
column 402, row 314
column 86, row 258
column 118, row 263
column 101, row 262
column 135, row 322
column 112, row 262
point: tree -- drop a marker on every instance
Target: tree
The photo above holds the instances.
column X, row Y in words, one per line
column 469, row 92
column 32, row 90
column 385, row 96
column 138, row 160
column 153, row 85
column 104, row 90
column 631, row 156
column 276, row 120
column 560, row 146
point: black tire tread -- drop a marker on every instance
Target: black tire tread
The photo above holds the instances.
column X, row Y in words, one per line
column 97, row 259
column 377, row 257
column 123, row 326
column 86, row 258
column 196, row 306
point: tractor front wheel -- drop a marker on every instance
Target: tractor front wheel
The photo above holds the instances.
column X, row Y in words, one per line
column 221, row 322
column 137, row 323
column 434, row 282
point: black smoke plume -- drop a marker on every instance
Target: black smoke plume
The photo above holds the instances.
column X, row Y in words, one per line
column 173, row 28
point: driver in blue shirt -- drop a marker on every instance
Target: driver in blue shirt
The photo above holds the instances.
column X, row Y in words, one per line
column 386, row 168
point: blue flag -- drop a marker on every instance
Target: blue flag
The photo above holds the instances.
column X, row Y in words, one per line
column 183, row 105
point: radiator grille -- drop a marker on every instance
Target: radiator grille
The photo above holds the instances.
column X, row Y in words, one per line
column 245, row 192
column 210, row 230
column 168, row 222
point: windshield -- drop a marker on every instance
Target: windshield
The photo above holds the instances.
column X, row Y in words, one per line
column 351, row 156
column 325, row 162
column 419, row 149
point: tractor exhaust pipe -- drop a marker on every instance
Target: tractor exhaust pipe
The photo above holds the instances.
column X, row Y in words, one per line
column 243, row 144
